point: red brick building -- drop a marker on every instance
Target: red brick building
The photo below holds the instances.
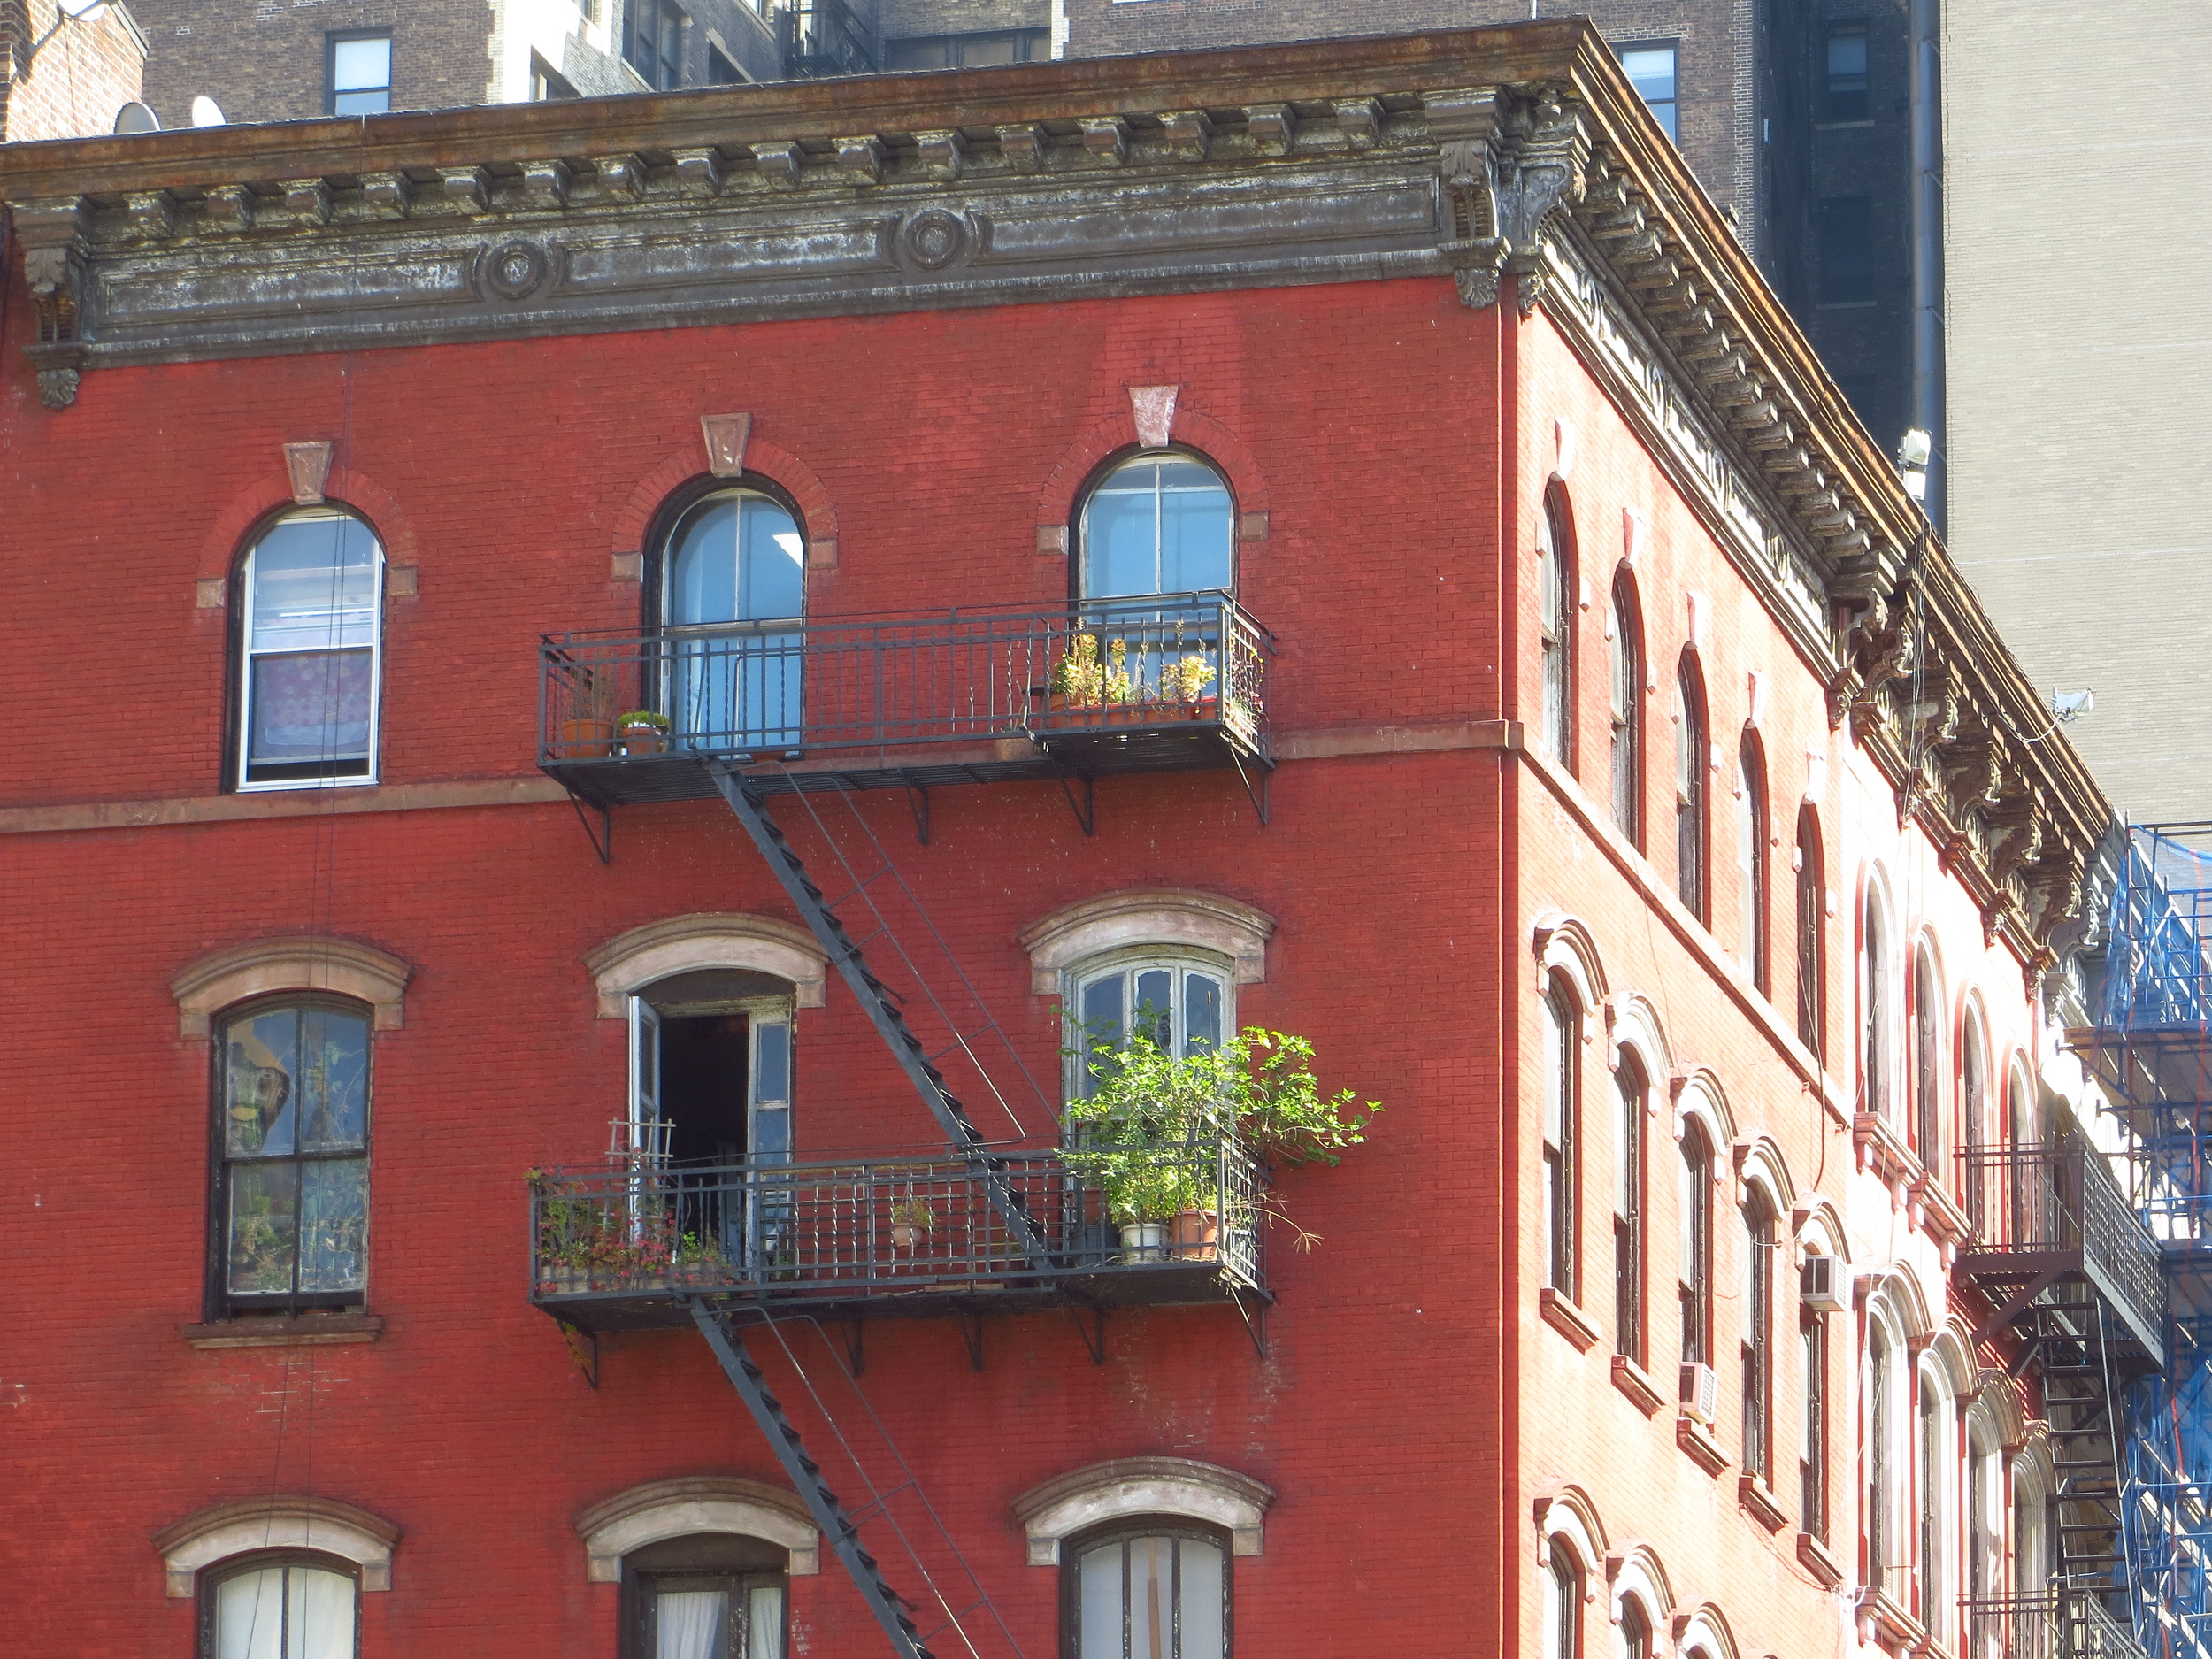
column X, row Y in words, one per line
column 452, row 1063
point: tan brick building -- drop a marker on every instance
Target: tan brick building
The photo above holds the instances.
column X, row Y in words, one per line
column 63, row 76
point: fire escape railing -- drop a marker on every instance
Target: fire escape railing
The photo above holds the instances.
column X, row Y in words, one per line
column 2058, row 1624
column 824, row 38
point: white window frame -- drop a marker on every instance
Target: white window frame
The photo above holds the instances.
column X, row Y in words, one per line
column 1080, row 976
column 1104, row 483
column 247, row 654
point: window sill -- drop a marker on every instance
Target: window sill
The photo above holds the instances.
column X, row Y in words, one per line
column 1631, row 1380
column 1569, row 1320
column 1882, row 1620
column 1819, row 1562
column 1697, row 1440
column 307, row 1330
column 1758, row 1500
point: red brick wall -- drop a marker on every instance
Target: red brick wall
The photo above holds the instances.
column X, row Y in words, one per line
column 1406, row 1421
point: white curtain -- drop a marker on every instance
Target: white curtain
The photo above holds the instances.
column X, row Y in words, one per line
column 690, row 1624
column 249, row 1616
column 321, row 1616
column 764, row 1631
column 260, row 1616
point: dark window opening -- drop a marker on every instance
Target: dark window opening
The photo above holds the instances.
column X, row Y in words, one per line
column 1846, row 250
column 720, row 70
column 1693, row 1248
column 1758, row 1341
column 548, row 84
column 655, row 43
column 1846, row 97
column 968, row 51
column 1811, row 999
column 1628, row 1216
column 1812, row 1474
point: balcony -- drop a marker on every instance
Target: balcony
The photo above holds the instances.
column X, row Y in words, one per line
column 1171, row 683
column 2064, row 1624
column 628, row 1245
column 2047, row 1214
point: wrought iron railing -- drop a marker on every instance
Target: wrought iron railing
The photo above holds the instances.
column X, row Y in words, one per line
column 771, row 689
column 842, row 1231
column 824, row 38
column 2058, row 1197
column 2059, row 1625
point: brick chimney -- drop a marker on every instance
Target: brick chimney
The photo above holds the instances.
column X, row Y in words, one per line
column 64, row 76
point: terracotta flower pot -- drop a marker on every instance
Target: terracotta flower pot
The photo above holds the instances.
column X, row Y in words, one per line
column 904, row 1235
column 1195, row 1236
column 587, row 740
column 1204, row 708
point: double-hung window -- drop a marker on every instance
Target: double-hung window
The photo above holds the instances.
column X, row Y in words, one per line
column 312, row 610
column 360, row 72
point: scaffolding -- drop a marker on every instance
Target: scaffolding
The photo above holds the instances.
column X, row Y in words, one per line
column 2150, row 1050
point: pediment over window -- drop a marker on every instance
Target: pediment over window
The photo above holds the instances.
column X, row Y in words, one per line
column 1131, row 1487
column 243, row 1524
column 1148, row 915
column 682, row 944
column 690, row 1505
column 266, row 966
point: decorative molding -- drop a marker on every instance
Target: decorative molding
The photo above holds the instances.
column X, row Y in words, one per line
column 1632, row 1380
column 266, row 966
column 307, row 470
column 1152, row 411
column 304, row 1330
column 663, row 1509
column 241, row 1524
column 1569, row 1321
column 1146, row 916
column 680, row 944
column 725, row 436
column 1129, row 1487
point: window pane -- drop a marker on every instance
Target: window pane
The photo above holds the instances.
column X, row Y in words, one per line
column 249, row 1616
column 1120, row 538
column 258, row 1113
column 764, row 1629
column 771, row 1134
column 771, row 563
column 703, row 587
column 321, row 1614
column 1651, row 71
column 1102, row 1026
column 310, row 707
column 377, row 102
column 1099, row 1587
column 1151, row 1598
column 1194, row 533
column 989, row 49
column 361, row 64
column 1847, row 89
column 772, row 1062
column 333, row 1086
column 1201, row 1012
column 264, row 1219
column 1153, row 1012
column 689, row 1624
column 314, row 585
column 1204, row 1636
column 1846, row 250
column 334, row 1225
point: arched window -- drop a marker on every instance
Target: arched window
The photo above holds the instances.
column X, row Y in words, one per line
column 280, row 1606
column 1635, row 1628
column 1985, row 1521
column 1751, row 861
column 310, row 618
column 733, row 591
column 1936, row 1477
column 1563, row 1602
column 1625, row 653
column 1629, row 1211
column 1875, row 1008
column 1812, row 1455
column 1691, row 762
column 1975, row 1110
column 709, row 1595
column 1156, row 1587
column 1161, row 522
column 1562, row 1108
column 1927, row 1064
column 1694, row 1249
column 1878, row 1410
column 1758, row 1336
column 290, row 1209
column 1181, row 1000
column 1812, row 1015
column 1555, row 623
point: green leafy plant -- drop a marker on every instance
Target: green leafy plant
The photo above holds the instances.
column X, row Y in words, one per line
column 1146, row 1132
column 643, row 717
column 1085, row 679
column 913, row 1211
column 1186, row 680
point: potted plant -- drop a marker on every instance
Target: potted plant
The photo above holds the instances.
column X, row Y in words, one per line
column 1150, row 1135
column 1083, row 680
column 643, row 731
column 589, row 734
column 910, row 1218
column 1185, row 682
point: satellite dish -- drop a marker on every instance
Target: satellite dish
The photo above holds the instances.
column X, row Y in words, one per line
column 136, row 117
column 83, row 10
column 207, row 113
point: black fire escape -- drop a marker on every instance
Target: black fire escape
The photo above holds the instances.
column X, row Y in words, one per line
column 824, row 38
column 750, row 713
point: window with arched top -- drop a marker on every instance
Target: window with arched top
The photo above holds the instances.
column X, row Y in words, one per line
column 1556, row 615
column 1751, row 862
column 1812, row 1444
column 1812, row 945
column 1630, row 1206
column 1974, row 1112
column 1937, row 1477
column 1152, row 1587
column 1693, row 1246
column 1160, row 522
column 290, row 1208
column 1626, row 657
column 311, row 626
column 1563, row 1111
column 1927, row 1064
column 1635, row 1631
column 732, row 593
column 279, row 1605
column 1563, row 1602
column 708, row 1595
column 1757, row 1310
column 1181, row 1001
column 1693, row 756
column 1876, row 1007
column 1877, row 1408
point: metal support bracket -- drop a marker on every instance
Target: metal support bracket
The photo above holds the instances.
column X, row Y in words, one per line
column 1258, row 797
column 2021, row 1298
column 583, row 1348
column 1090, row 1325
column 1085, row 813
column 972, row 1332
column 856, row 1346
column 1255, row 1320
column 603, row 838
column 918, row 803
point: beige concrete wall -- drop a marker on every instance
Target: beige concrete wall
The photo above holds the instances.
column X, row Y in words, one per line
column 2079, row 275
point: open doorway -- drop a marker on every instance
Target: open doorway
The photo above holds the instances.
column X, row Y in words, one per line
column 711, row 1068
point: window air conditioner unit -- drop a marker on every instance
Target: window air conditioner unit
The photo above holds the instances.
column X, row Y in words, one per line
column 1701, row 1391
column 1824, row 1285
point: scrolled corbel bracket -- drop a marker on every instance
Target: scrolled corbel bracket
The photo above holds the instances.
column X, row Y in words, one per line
column 1506, row 165
column 54, row 235
column 1545, row 173
column 1463, row 123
